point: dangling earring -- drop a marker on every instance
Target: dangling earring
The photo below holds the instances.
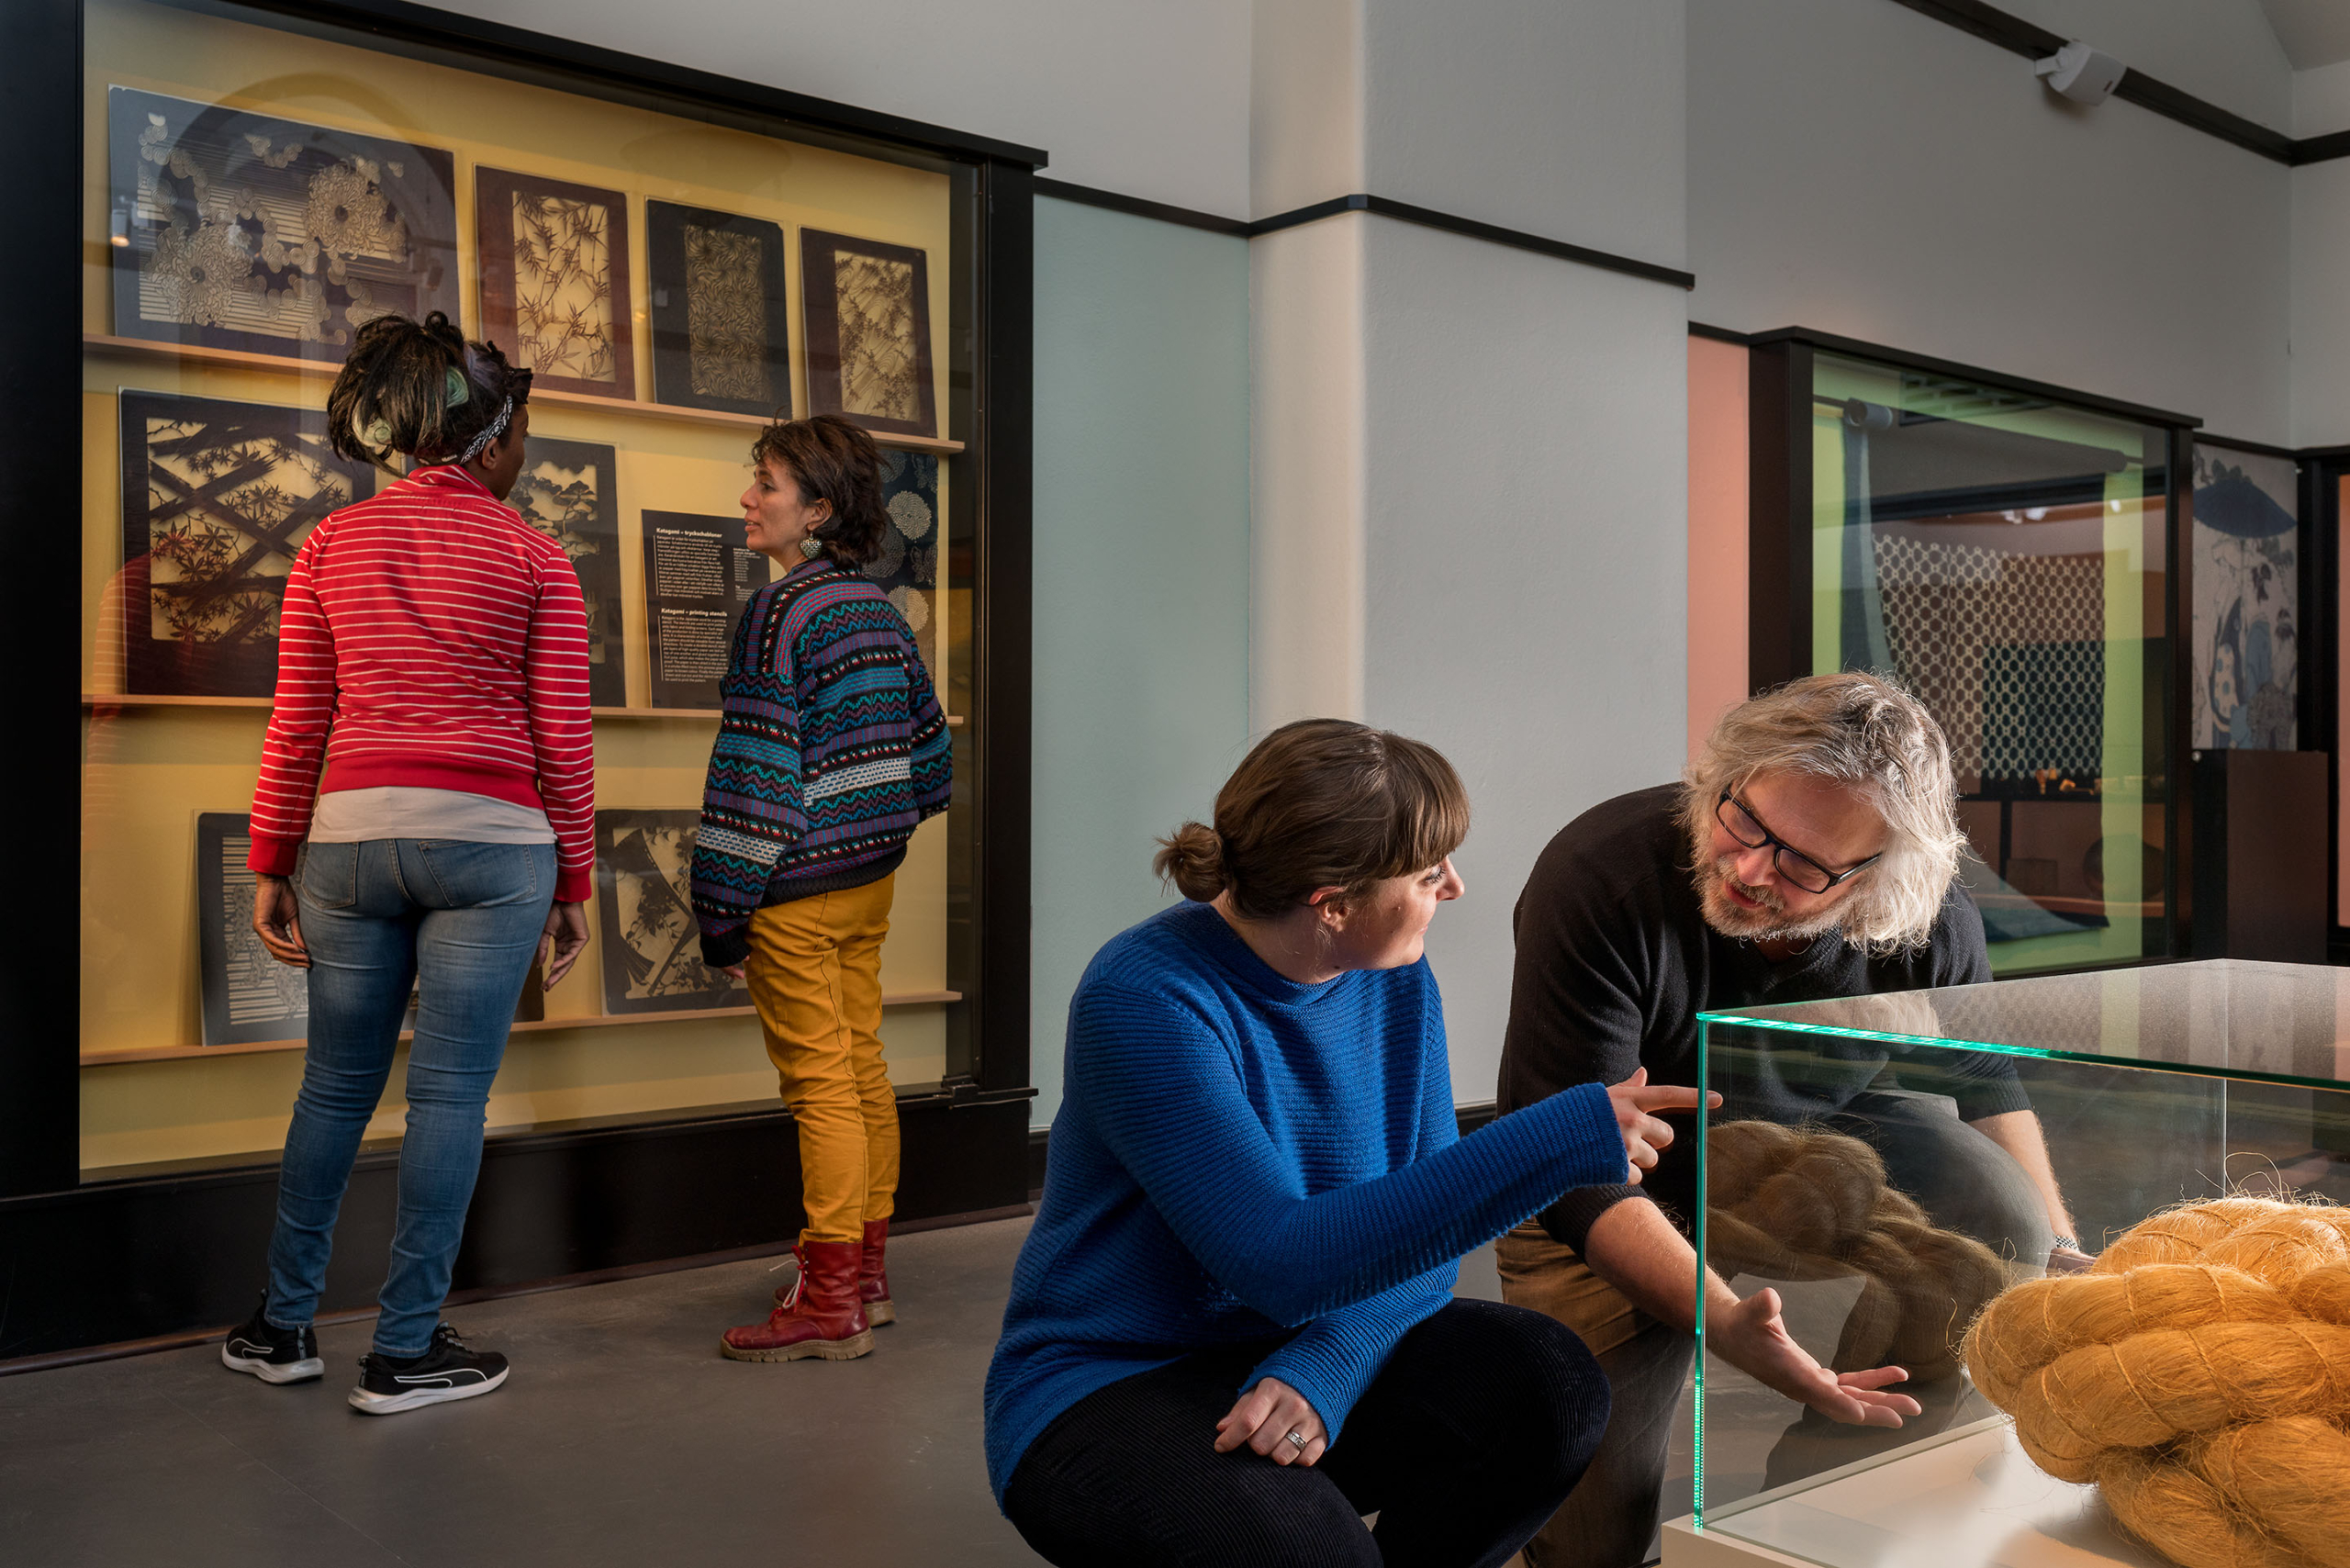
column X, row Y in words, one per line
column 811, row 548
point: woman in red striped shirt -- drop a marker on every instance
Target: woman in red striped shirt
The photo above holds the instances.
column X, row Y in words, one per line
column 424, row 815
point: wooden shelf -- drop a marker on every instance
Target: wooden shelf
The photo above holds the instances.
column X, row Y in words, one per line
column 321, row 370
column 536, row 1026
column 158, row 699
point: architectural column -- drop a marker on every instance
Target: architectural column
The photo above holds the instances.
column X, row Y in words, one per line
column 1469, row 456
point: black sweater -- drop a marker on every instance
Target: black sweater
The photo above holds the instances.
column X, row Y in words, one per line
column 1615, row 962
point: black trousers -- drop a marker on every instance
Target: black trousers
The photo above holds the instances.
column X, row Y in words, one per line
column 1477, row 1428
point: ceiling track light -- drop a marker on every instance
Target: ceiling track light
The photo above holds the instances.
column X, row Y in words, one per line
column 2081, row 73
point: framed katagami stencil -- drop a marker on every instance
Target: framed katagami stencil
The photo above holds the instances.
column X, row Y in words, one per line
column 554, row 289
column 238, row 230
column 719, row 311
column 566, row 491
column 867, row 307
column 644, row 916
column 216, row 496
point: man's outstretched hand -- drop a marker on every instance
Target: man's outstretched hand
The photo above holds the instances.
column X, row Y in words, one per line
column 1753, row 1337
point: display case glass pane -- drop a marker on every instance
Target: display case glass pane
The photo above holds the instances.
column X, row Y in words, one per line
column 1874, row 1161
column 255, row 188
column 2004, row 555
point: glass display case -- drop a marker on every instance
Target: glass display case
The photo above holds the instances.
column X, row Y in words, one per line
column 2102, row 1337
column 675, row 274
column 2007, row 552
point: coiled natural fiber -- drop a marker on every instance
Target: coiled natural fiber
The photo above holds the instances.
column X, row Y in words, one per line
column 2199, row 1374
column 1791, row 1204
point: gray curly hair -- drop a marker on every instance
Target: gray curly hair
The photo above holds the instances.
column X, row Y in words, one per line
column 1870, row 733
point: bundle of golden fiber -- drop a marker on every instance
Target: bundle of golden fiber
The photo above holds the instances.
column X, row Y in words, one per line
column 2199, row 1374
column 1798, row 1204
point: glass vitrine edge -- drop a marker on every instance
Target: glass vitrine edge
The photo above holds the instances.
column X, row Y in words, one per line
column 2043, row 1053
column 1697, row 1400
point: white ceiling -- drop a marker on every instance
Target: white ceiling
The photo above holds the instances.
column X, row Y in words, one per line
column 2314, row 32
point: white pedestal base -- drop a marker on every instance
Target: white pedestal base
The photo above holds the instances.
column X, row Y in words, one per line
column 1968, row 1499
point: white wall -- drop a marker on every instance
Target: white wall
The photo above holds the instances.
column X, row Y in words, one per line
column 1144, row 97
column 2320, row 362
column 1860, row 169
column 2223, row 51
column 1527, row 561
column 1470, row 460
column 1560, row 118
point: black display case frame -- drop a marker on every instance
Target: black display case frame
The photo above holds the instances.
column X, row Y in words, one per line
column 154, row 1255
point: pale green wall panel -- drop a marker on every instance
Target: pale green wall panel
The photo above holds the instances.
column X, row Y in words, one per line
column 1142, row 572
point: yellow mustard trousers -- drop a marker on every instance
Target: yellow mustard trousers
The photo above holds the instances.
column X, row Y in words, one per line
column 815, row 975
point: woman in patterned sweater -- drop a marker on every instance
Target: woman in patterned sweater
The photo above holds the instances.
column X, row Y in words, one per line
column 831, row 750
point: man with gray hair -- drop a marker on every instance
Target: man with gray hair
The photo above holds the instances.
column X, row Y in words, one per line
column 1811, row 851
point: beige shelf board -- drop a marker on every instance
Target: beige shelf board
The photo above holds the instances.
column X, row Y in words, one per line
column 161, row 700
column 535, row 1025
column 321, row 370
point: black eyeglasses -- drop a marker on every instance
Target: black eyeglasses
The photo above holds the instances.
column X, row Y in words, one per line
column 1794, row 865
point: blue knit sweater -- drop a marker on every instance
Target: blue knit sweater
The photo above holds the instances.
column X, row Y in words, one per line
column 1239, row 1159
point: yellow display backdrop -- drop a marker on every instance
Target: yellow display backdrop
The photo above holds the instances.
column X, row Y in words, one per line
column 151, row 1092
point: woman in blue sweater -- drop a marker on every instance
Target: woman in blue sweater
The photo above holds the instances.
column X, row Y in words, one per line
column 1256, row 1197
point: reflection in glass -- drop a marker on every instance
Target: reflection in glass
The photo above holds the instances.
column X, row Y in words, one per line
column 2003, row 554
column 1840, row 1172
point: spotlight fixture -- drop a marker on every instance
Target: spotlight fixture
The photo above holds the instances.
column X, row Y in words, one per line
column 2081, row 73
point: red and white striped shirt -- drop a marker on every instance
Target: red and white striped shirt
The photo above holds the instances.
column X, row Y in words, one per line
column 432, row 638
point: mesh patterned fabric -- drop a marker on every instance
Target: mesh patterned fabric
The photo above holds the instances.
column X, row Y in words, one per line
column 1948, row 606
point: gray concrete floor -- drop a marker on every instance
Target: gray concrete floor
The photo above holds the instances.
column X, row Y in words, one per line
column 622, row 1437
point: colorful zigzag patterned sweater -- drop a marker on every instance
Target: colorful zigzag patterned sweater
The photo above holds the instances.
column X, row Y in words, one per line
column 831, row 749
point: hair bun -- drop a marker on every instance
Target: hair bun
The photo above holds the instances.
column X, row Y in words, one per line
column 1192, row 858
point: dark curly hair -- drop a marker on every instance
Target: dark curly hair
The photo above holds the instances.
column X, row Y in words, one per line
column 418, row 388
column 831, row 460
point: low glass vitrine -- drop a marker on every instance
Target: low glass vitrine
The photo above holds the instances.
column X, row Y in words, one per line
column 2048, row 1199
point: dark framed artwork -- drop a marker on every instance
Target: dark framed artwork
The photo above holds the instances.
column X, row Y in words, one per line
column 244, row 231
column 247, row 995
column 554, row 291
column 719, row 311
column 645, row 915
column 698, row 575
column 868, row 332
column 907, row 567
column 216, row 496
column 567, row 492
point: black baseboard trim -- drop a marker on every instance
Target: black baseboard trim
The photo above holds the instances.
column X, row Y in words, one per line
column 1136, row 207
column 184, row 1337
column 1402, row 212
column 126, row 1261
column 2032, row 42
column 1469, row 227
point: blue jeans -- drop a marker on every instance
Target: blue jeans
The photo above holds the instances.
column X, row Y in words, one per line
column 461, row 921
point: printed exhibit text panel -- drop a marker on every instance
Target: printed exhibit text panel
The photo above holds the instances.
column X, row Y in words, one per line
column 254, row 194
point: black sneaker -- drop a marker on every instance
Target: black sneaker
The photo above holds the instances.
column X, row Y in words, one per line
column 447, row 1371
column 271, row 1353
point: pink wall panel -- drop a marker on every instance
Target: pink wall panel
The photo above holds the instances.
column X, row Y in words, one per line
column 1717, row 532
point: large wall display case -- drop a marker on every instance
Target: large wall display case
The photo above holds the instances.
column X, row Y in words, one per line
column 2170, row 1392
column 255, row 182
column 2007, row 550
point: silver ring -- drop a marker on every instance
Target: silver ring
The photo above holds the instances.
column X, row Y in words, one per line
column 1299, row 1439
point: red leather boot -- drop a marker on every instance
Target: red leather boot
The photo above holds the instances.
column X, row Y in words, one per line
column 872, row 1277
column 821, row 1316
